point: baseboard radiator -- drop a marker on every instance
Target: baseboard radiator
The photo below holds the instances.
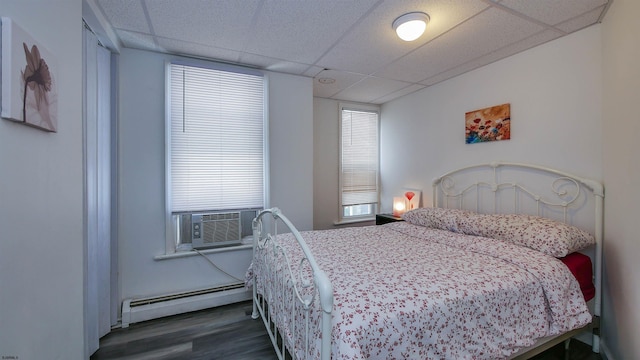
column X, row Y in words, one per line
column 137, row 310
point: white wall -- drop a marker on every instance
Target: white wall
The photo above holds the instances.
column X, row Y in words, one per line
column 325, row 163
column 621, row 166
column 555, row 96
column 41, row 208
column 291, row 147
column 141, row 177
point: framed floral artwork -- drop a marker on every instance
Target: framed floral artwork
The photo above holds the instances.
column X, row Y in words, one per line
column 29, row 89
column 412, row 198
column 488, row 124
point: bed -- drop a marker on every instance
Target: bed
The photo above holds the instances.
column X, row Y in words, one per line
column 485, row 272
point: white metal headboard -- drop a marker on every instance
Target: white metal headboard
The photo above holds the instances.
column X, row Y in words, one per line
column 503, row 187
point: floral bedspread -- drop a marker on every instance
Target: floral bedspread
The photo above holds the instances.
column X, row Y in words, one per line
column 403, row 291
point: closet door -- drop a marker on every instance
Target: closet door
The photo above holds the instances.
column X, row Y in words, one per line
column 97, row 190
column 103, row 157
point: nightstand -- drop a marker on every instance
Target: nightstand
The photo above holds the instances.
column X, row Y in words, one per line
column 386, row 218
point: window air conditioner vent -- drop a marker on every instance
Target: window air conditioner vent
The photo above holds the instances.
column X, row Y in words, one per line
column 215, row 229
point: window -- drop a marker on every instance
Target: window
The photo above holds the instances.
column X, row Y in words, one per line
column 215, row 151
column 359, row 154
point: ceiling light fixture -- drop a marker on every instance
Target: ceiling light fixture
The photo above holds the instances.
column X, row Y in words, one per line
column 411, row 26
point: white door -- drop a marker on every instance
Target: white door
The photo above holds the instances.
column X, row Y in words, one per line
column 97, row 192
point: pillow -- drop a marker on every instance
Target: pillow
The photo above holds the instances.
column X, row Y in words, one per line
column 436, row 218
column 545, row 235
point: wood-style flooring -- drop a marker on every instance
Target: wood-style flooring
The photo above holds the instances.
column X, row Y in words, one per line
column 227, row 332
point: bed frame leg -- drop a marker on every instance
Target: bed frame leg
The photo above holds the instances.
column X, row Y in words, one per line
column 567, row 353
column 255, row 314
column 595, row 346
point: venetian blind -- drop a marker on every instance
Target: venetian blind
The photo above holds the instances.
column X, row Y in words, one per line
column 217, row 139
column 359, row 160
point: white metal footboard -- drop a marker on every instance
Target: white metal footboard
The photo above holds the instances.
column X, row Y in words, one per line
column 293, row 284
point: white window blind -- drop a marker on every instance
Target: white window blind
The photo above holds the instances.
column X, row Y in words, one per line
column 359, row 162
column 217, row 139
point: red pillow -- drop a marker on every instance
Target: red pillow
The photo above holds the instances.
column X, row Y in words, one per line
column 580, row 266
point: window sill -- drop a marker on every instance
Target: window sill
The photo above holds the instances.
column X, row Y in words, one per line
column 190, row 253
column 354, row 221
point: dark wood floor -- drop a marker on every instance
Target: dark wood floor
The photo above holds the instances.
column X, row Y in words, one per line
column 226, row 332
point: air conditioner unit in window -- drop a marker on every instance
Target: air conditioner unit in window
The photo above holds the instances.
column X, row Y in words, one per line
column 215, row 229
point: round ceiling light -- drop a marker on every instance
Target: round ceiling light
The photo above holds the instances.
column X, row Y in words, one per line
column 411, row 26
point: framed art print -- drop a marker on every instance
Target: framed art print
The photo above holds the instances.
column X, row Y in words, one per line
column 412, row 198
column 488, row 124
column 29, row 88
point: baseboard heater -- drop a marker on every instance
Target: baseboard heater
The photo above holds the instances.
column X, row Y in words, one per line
column 137, row 310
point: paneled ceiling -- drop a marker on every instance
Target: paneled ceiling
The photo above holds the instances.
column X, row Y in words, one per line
column 349, row 41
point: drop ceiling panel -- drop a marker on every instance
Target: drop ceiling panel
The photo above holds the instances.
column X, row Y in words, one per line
column 491, row 29
column 373, row 42
column 371, row 88
column 303, row 30
column 272, row 64
column 553, row 11
column 352, row 38
column 581, row 21
column 137, row 40
column 221, row 24
column 313, row 71
column 342, row 79
column 125, row 14
column 173, row 46
column 396, row 94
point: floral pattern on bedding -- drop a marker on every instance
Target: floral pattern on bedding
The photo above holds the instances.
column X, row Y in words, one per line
column 403, row 291
column 538, row 233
